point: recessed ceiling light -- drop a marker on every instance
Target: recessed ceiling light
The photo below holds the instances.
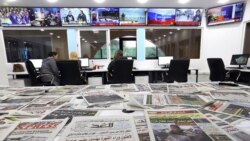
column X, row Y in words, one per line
column 42, row 29
column 51, row 33
column 52, row 1
column 164, row 35
column 178, row 29
column 86, row 41
column 83, row 39
column 58, row 37
column 95, row 42
column 183, row 1
column 223, row 1
column 170, row 32
column 142, row 1
column 11, row 0
column 99, row 1
column 156, row 39
column 159, row 38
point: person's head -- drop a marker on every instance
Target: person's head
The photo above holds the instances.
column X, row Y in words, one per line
column 53, row 54
column 175, row 128
column 118, row 55
column 70, row 13
column 198, row 12
column 73, row 56
column 81, row 12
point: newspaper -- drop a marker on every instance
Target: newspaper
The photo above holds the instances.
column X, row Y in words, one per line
column 159, row 87
column 192, row 100
column 6, row 127
column 142, row 128
column 19, row 99
column 123, row 87
column 155, row 99
column 44, row 130
column 62, row 114
column 69, row 90
column 181, row 88
column 182, row 125
column 233, row 132
column 106, row 96
column 231, row 95
column 31, row 92
column 6, row 107
column 46, row 99
column 143, row 87
column 100, row 128
column 236, row 109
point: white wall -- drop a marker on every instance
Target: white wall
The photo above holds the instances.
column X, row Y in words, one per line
column 3, row 61
column 221, row 41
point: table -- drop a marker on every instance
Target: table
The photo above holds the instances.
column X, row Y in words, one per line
column 152, row 72
column 245, row 70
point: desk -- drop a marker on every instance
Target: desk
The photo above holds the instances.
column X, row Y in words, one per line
column 14, row 74
column 240, row 72
column 152, row 72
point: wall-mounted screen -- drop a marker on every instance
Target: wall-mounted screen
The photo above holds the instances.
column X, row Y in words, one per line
column 225, row 14
column 161, row 16
column 105, row 16
column 75, row 16
column 45, row 16
column 133, row 16
column 188, row 17
column 12, row 16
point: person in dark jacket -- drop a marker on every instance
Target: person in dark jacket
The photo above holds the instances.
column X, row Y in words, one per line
column 118, row 55
column 49, row 70
column 70, row 18
column 82, row 17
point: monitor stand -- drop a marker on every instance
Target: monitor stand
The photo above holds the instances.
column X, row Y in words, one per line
column 165, row 67
column 239, row 67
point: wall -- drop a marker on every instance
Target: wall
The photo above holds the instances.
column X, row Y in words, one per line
column 221, row 41
column 3, row 62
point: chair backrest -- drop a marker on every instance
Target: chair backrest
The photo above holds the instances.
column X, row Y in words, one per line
column 217, row 69
column 70, row 72
column 32, row 72
column 178, row 70
column 123, row 71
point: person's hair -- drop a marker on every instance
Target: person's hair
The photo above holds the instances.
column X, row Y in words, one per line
column 118, row 55
column 73, row 56
column 52, row 54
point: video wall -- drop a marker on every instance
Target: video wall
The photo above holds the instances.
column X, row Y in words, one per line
column 57, row 17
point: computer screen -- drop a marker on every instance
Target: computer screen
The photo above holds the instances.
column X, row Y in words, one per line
column 165, row 60
column 239, row 59
column 84, row 62
column 37, row 62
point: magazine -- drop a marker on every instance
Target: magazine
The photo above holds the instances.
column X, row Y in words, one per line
column 44, row 130
column 231, row 95
column 97, row 97
column 62, row 114
column 175, row 125
column 6, row 127
column 100, row 128
column 142, row 128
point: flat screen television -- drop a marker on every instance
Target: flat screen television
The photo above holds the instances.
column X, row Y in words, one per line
column 45, row 17
column 230, row 13
column 105, row 16
column 13, row 16
column 75, row 16
column 239, row 59
column 132, row 16
column 188, row 17
column 161, row 16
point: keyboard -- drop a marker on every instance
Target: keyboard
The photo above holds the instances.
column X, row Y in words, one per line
column 237, row 68
column 84, row 68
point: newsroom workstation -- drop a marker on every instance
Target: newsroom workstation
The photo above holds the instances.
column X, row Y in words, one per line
column 134, row 70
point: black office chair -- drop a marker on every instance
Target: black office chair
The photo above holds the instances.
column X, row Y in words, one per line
column 218, row 71
column 122, row 72
column 34, row 75
column 178, row 71
column 70, row 72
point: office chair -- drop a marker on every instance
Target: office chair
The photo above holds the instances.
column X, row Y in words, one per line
column 178, row 71
column 35, row 76
column 122, row 72
column 70, row 72
column 218, row 71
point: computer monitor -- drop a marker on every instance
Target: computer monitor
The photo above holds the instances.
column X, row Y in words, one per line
column 165, row 61
column 84, row 62
column 239, row 59
column 37, row 62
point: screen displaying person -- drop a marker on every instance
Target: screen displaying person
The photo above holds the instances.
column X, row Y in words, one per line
column 70, row 18
column 82, row 17
column 197, row 16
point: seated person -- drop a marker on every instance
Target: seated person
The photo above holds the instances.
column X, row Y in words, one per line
column 49, row 71
column 118, row 55
column 74, row 56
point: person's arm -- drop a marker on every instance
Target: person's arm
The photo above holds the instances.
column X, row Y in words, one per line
column 54, row 68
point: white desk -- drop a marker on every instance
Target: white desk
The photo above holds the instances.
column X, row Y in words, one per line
column 14, row 74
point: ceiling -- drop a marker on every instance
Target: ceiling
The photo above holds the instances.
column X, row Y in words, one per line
column 114, row 3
